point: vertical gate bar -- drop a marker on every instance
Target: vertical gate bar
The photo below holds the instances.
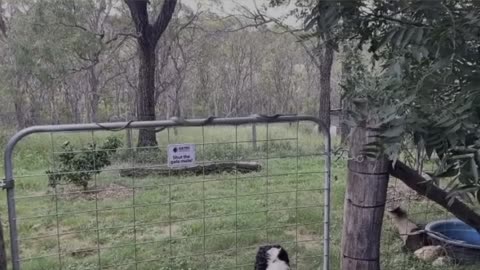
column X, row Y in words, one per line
column 296, row 201
column 97, row 226
column 170, row 182
column 326, row 226
column 12, row 222
column 267, row 183
column 55, row 190
column 236, row 198
column 12, row 214
column 134, row 210
column 204, row 158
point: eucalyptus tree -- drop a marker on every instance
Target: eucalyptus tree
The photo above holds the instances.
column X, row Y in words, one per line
column 147, row 36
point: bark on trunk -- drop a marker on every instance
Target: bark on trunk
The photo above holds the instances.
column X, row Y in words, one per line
column 428, row 189
column 19, row 115
column 364, row 207
column 94, row 96
column 146, row 95
column 344, row 129
column 18, row 101
column 326, row 62
column 149, row 34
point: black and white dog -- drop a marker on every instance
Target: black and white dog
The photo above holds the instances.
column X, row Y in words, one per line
column 272, row 258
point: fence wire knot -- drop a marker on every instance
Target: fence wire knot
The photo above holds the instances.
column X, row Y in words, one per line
column 341, row 153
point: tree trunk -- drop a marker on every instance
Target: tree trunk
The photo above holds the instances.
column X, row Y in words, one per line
column 146, row 94
column 344, row 129
column 215, row 103
column 428, row 189
column 364, row 206
column 149, row 34
column 177, row 113
column 19, row 114
column 94, row 96
column 18, row 101
column 75, row 111
column 326, row 62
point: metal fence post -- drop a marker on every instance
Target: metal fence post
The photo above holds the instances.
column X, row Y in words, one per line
column 326, row 218
column 12, row 217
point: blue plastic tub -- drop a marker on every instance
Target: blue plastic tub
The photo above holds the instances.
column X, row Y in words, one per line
column 461, row 242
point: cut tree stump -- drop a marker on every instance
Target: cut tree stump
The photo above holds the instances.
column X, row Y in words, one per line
column 200, row 169
column 412, row 235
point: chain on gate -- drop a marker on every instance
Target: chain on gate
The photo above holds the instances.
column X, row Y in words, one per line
column 207, row 197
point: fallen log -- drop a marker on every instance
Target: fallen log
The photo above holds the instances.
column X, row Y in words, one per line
column 428, row 189
column 412, row 235
column 199, row 169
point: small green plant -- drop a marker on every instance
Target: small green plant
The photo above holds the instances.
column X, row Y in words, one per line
column 78, row 166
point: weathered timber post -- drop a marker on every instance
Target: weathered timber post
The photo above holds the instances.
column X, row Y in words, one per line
column 364, row 205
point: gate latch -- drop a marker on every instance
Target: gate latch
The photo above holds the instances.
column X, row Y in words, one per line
column 6, row 184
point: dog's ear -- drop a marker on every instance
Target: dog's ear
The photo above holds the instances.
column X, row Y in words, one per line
column 261, row 261
column 283, row 255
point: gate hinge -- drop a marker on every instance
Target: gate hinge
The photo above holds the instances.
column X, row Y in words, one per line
column 7, row 184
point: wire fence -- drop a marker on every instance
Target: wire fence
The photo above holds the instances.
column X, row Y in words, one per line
column 92, row 201
column 258, row 180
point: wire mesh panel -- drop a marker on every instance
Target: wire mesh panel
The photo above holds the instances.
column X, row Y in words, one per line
column 95, row 202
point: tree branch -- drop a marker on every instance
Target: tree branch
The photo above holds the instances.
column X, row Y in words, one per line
column 400, row 21
column 163, row 18
column 138, row 11
column 428, row 189
column 264, row 19
column 3, row 25
column 101, row 35
column 117, row 35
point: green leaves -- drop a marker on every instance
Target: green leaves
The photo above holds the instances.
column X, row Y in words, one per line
column 402, row 36
column 78, row 166
column 428, row 92
column 330, row 20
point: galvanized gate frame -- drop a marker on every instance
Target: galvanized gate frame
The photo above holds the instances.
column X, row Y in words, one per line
column 9, row 181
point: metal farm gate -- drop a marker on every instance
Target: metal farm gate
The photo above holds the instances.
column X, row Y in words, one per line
column 240, row 183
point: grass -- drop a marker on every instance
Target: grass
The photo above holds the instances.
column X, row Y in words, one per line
column 189, row 222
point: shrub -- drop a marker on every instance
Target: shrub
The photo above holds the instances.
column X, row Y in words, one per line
column 78, row 166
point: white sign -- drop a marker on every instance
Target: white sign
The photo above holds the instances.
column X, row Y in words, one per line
column 181, row 155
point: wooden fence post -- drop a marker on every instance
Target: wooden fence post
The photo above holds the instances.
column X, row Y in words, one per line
column 364, row 206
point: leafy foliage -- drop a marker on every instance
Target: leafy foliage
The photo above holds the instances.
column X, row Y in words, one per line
column 78, row 166
column 427, row 88
column 435, row 63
